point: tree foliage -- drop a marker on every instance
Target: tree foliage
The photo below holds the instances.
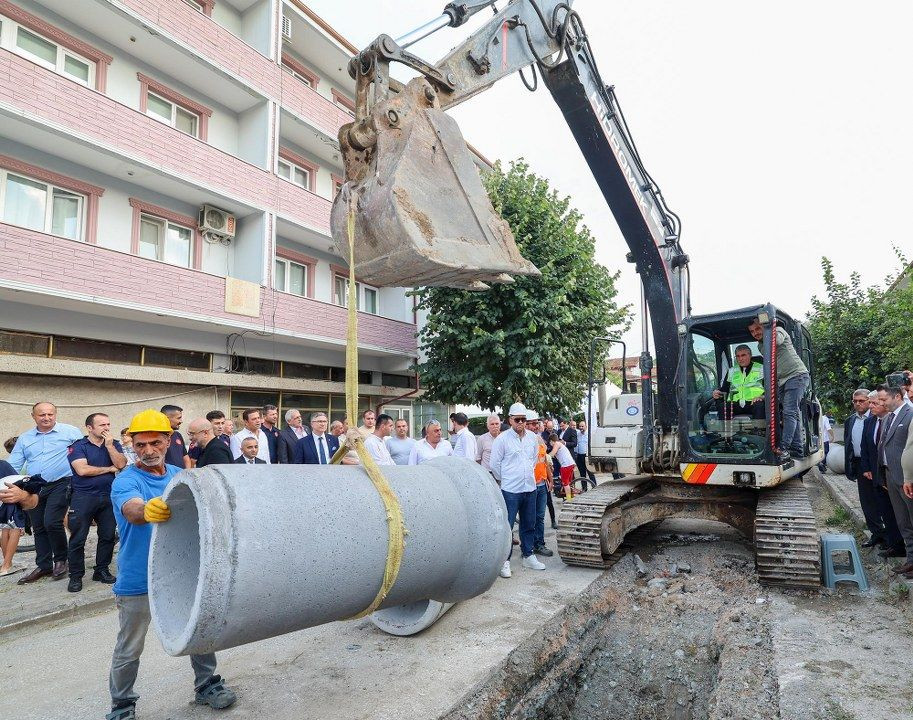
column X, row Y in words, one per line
column 859, row 335
column 529, row 340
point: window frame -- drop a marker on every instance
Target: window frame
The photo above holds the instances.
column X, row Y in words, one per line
column 360, row 289
column 165, row 224
column 143, row 209
column 9, row 36
column 49, row 188
column 174, row 113
column 288, row 266
column 309, row 264
column 293, row 166
column 300, row 71
column 342, row 102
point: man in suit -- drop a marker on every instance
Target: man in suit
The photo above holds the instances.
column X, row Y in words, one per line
column 249, row 449
column 318, row 447
column 871, row 484
column 568, row 435
column 289, row 437
column 890, row 448
column 852, row 456
column 212, row 450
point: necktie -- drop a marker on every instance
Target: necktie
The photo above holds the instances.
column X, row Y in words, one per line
column 250, row 461
column 321, row 451
column 877, row 430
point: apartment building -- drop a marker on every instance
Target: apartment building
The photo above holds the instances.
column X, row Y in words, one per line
column 167, row 169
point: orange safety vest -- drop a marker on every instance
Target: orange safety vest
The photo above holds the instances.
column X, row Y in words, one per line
column 541, row 468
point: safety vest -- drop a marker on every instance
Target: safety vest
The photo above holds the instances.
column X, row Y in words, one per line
column 542, row 469
column 745, row 387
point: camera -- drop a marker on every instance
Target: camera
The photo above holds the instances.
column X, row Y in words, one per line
column 898, row 379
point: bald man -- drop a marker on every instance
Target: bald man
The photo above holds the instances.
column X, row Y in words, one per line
column 202, row 433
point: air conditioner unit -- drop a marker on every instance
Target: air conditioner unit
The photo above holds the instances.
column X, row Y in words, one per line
column 286, row 27
column 216, row 221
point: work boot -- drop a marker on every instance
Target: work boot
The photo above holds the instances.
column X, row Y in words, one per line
column 532, row 562
column 124, row 712
column 75, row 585
column 61, row 570
column 104, row 575
column 542, row 550
column 215, row 694
column 505, row 569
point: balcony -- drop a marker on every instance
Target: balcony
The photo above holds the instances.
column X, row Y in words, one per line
column 312, row 107
column 91, row 129
column 44, row 270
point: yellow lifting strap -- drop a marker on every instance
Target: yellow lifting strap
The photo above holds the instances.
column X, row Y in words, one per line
column 396, row 528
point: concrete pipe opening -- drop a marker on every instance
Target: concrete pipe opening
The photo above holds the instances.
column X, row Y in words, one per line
column 411, row 618
column 177, row 562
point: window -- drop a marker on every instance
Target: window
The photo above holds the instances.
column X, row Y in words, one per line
column 98, row 350
column 295, row 173
column 182, row 359
column 37, row 48
column 15, row 343
column 298, row 70
column 366, row 296
column 41, row 206
column 164, row 240
column 343, row 102
column 172, row 114
column 291, row 277
column 195, row 4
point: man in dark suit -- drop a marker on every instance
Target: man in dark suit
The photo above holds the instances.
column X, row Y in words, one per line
column 289, row 437
column 890, row 447
column 852, row 456
column 212, row 450
column 877, row 508
column 249, row 449
column 568, row 434
column 318, row 447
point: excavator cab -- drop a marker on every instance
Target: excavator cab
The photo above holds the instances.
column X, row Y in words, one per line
column 740, row 426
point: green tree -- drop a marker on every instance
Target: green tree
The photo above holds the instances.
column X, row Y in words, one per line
column 851, row 329
column 528, row 340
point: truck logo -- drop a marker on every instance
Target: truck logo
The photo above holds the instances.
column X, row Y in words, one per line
column 632, row 410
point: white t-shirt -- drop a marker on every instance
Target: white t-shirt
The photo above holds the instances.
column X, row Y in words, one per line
column 564, row 456
column 378, row 450
column 825, row 428
column 422, row 451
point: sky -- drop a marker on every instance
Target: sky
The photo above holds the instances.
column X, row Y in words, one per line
column 779, row 132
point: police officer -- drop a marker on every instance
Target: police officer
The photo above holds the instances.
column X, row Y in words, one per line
column 94, row 460
column 744, row 385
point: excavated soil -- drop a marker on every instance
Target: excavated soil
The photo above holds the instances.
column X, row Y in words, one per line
column 681, row 634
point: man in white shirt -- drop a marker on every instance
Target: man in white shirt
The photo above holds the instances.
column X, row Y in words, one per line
column 484, row 442
column 431, row 446
column 374, row 443
column 513, row 457
column 464, row 442
column 252, row 422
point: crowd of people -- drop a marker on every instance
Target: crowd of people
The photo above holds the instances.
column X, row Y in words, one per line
column 60, row 480
column 878, row 457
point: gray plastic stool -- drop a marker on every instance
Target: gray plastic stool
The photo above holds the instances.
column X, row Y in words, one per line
column 831, row 543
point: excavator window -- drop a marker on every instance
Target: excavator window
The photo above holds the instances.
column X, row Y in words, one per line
column 727, row 426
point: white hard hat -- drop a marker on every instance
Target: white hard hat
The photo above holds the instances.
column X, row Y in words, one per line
column 517, row 409
column 532, row 415
column 10, row 479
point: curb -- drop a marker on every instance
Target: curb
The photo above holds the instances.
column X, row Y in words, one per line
column 839, row 496
column 84, row 610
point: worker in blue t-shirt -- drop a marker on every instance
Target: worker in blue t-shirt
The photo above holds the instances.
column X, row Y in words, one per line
column 136, row 496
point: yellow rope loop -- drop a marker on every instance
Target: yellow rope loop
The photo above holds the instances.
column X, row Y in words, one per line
column 396, row 529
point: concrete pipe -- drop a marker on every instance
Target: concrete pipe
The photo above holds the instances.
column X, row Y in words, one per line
column 255, row 551
column 835, row 459
column 410, row 619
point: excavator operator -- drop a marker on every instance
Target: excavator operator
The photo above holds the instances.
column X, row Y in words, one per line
column 744, row 386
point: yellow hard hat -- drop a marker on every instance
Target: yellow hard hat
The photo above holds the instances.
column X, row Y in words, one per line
column 149, row 421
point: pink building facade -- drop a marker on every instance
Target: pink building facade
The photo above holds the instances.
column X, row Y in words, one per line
column 167, row 169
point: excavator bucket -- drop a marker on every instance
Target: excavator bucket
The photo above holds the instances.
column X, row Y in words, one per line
column 422, row 216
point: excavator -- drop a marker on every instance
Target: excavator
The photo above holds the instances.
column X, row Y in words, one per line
column 414, row 202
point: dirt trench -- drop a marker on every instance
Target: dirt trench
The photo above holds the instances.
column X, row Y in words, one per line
column 681, row 635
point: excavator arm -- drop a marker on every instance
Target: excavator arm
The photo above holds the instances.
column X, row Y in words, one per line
column 422, row 216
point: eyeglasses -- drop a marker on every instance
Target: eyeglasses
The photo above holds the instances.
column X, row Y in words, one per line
column 860, row 400
column 518, row 419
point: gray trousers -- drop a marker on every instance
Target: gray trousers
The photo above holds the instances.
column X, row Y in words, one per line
column 903, row 511
column 134, row 616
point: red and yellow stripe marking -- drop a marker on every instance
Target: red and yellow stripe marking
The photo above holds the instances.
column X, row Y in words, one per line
column 698, row 473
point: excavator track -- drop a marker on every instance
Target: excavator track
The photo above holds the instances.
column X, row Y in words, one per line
column 580, row 521
column 786, row 537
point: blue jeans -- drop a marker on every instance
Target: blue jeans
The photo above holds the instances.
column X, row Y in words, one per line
column 525, row 504
column 792, row 391
column 541, row 498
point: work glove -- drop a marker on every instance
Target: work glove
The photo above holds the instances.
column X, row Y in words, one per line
column 156, row 511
